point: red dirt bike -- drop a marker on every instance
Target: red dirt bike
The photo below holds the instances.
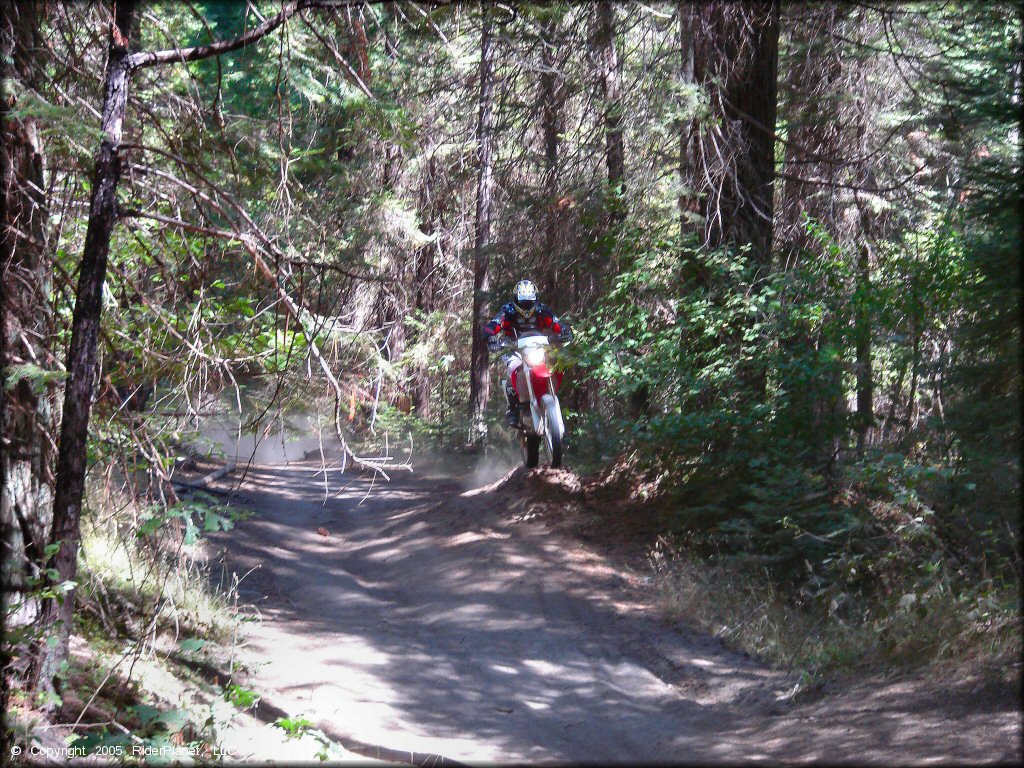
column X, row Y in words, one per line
column 540, row 415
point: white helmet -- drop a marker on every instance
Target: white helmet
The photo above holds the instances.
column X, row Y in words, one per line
column 526, row 298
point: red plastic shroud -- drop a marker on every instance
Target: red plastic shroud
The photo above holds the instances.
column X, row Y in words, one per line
column 539, row 375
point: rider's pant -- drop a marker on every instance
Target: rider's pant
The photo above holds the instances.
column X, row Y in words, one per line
column 512, row 363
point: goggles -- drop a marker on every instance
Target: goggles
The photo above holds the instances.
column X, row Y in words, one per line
column 526, row 308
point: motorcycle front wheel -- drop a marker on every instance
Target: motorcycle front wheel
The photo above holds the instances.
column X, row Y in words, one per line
column 553, row 432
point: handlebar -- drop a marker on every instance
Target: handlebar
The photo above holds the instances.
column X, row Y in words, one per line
column 499, row 343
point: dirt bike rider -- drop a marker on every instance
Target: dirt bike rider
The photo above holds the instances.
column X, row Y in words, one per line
column 523, row 313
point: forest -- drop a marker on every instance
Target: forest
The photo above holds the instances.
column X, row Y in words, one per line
column 786, row 236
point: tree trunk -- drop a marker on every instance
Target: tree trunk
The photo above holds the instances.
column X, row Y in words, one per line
column 424, row 301
column 611, row 90
column 694, row 272
column 866, row 225
column 81, row 362
column 610, row 67
column 28, row 427
column 425, row 304
column 26, row 408
column 550, row 110
column 392, row 310
column 816, row 128
column 480, row 374
column 910, row 420
column 742, row 53
column 862, row 332
column 686, row 18
column 813, row 91
column 737, row 64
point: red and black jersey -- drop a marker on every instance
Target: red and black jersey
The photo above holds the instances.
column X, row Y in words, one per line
column 512, row 324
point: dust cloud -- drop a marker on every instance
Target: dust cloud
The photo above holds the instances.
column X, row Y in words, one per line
column 281, row 442
column 494, row 463
column 296, row 438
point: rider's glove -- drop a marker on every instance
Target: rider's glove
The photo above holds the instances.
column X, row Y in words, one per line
column 566, row 334
column 493, row 343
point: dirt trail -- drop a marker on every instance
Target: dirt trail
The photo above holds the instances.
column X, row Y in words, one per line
column 440, row 623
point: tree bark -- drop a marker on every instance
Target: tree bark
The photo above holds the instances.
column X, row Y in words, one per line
column 686, row 20
column 480, row 374
column 813, row 91
column 392, row 309
column 550, row 110
column 741, row 52
column 424, row 264
column 425, row 304
column 736, row 63
column 864, row 420
column 69, row 485
column 26, row 408
column 862, row 332
column 27, row 415
column 611, row 90
column 816, row 129
column 424, row 300
column 81, row 361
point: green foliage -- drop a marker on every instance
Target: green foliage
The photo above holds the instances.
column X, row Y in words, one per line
column 150, row 735
column 830, row 628
column 192, row 644
column 44, row 585
column 38, row 378
column 243, row 698
column 735, row 380
column 295, row 727
column 301, row 728
column 128, row 580
column 197, row 516
column 154, row 737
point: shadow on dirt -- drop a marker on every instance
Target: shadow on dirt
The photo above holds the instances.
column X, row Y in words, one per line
column 433, row 620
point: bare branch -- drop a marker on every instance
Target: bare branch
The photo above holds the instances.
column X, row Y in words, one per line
column 253, row 246
column 144, row 59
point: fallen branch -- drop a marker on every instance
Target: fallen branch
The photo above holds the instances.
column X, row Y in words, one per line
column 203, row 482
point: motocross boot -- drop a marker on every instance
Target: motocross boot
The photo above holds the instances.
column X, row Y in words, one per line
column 512, row 415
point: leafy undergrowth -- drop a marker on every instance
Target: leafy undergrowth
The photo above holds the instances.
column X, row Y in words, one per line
column 887, row 596
column 153, row 673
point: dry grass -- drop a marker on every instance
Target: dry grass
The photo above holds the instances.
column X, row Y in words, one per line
column 137, row 586
column 908, row 628
column 138, row 599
